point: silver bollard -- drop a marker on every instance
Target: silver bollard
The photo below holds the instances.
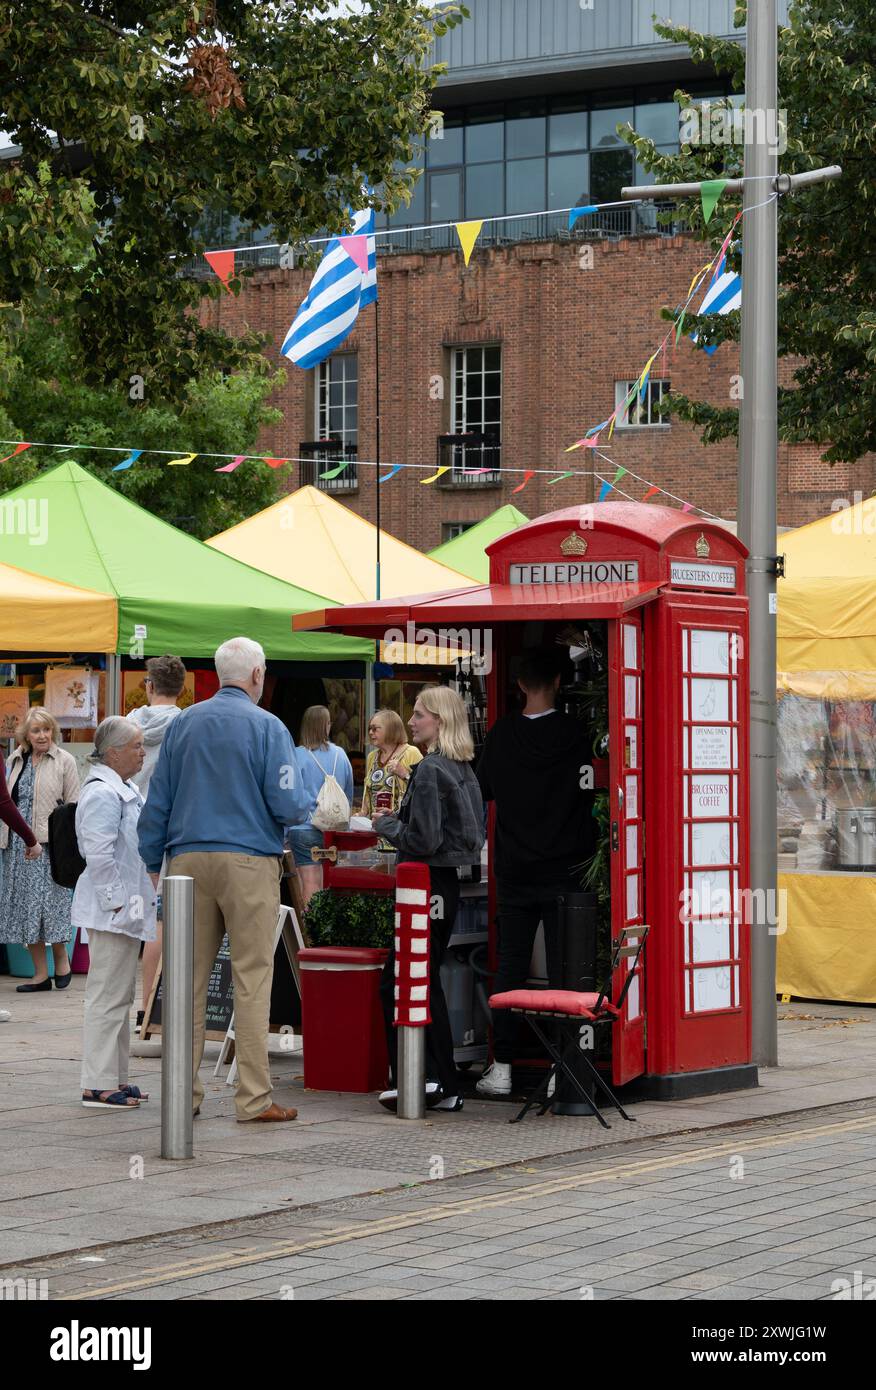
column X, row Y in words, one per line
column 177, row 986
column 411, row 1073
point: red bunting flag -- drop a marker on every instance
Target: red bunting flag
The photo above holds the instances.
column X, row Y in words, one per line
column 222, row 262
column 278, row 463
column 19, row 449
column 652, row 492
column 530, row 473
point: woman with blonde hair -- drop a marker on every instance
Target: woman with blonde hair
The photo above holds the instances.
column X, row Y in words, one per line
column 388, row 765
column 317, row 758
column 440, row 823
column 34, row 909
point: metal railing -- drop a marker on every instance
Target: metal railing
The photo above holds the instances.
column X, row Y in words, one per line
column 610, row 224
column 322, row 456
column 474, row 460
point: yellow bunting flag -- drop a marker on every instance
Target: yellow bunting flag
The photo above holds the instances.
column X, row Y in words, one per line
column 468, row 233
column 435, row 476
column 188, row 458
column 702, row 269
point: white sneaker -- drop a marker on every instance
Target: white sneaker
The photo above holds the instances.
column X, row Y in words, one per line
column 5, row 1015
column 552, row 1086
column 496, row 1080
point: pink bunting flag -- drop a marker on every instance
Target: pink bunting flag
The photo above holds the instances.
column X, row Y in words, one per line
column 530, row 473
column 222, row 263
column 356, row 248
column 19, row 449
column 688, row 507
column 230, row 467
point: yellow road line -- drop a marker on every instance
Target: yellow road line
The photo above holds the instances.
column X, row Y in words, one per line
column 470, row 1206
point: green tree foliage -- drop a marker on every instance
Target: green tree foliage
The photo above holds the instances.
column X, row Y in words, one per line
column 827, row 269
column 163, row 109
column 43, row 398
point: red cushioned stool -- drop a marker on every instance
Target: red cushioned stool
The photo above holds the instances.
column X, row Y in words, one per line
column 569, row 1007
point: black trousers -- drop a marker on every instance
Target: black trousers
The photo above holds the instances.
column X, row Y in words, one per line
column 521, row 907
column 440, row 1066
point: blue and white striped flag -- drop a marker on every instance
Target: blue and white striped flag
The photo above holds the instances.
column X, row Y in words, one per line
column 338, row 290
column 723, row 295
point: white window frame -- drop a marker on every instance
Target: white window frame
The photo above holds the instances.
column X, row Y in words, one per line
column 348, row 434
column 458, row 406
column 651, row 420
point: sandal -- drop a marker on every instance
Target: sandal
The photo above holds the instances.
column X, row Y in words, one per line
column 92, row 1100
column 134, row 1092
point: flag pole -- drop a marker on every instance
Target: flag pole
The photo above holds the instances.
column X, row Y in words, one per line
column 377, row 442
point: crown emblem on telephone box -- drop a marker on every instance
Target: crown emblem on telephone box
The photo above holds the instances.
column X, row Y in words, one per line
column 574, row 545
column 702, row 547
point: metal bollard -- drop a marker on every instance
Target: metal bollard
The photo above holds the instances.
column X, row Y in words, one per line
column 411, row 986
column 177, row 984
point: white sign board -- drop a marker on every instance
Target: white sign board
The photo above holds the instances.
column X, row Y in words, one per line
column 693, row 574
column 576, row 572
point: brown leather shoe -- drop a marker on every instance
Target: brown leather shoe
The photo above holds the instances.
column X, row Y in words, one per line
column 274, row 1114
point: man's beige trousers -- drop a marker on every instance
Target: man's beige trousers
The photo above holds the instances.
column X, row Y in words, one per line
column 238, row 894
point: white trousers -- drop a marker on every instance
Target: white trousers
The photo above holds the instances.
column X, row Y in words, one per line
column 109, row 994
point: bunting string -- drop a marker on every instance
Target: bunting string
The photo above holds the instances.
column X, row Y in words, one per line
column 553, row 475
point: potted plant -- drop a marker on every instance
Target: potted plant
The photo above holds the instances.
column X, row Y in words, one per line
column 350, row 919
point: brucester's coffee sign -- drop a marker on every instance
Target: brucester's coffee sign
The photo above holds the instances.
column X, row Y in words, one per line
column 576, row 572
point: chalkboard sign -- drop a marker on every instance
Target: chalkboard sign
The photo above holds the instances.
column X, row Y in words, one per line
column 285, row 1000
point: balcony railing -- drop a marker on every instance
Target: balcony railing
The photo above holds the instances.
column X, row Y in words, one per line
column 610, row 224
column 474, row 460
column 324, row 455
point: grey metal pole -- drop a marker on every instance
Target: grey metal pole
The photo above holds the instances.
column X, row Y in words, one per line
column 411, row 1073
column 756, row 509
column 177, row 981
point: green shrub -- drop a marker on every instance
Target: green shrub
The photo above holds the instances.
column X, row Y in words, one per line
column 350, row 919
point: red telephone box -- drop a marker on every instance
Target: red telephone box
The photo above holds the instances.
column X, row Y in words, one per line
column 670, row 592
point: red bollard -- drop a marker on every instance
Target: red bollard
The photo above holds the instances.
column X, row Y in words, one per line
column 412, row 986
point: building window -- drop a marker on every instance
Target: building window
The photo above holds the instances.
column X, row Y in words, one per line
column 641, row 412
column 451, row 529
column 476, row 404
column 337, row 399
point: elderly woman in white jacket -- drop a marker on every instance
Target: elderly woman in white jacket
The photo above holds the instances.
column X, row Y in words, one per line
column 115, row 901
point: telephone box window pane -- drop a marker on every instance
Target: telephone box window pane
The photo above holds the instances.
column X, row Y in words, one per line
column 632, row 895
column 630, row 690
column 709, row 651
column 711, row 988
column 632, row 795
column 735, row 762
column 710, row 797
column 631, row 747
column 630, row 633
column 710, row 746
column 735, row 715
column 709, row 699
column 711, row 892
column 711, row 941
column 632, row 846
column 685, row 756
column 711, row 843
column 633, row 999
column 685, row 712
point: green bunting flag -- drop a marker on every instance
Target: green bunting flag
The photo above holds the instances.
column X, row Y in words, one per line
column 710, row 192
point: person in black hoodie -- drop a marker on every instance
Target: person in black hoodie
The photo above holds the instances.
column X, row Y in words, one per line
column 531, row 767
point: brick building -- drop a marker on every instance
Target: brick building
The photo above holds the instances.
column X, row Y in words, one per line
column 503, row 364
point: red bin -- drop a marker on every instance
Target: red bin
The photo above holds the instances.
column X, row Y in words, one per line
column 341, row 1018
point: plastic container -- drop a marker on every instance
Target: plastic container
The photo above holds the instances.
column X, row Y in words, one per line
column 21, row 960
column 341, row 1018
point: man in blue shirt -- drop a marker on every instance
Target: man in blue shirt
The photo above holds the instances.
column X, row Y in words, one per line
column 225, row 785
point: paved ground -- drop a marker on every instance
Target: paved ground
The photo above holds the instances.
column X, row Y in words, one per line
column 775, row 1210
column 73, row 1179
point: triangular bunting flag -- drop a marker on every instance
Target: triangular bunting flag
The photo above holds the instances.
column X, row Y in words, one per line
column 710, row 192
column 688, row 507
column 335, row 472
column 278, row 463
column 560, row 477
column 530, row 473
column 652, row 492
column 444, row 469
column 391, row 474
column 19, row 449
column 222, row 262
column 678, row 327
column 604, row 491
column 468, row 233
column 356, row 248
column 230, row 467
column 129, row 461
column 171, row 463
column 579, row 212
column 621, row 473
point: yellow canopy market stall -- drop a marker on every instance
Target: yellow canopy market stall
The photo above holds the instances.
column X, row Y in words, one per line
column 826, row 663
column 44, row 615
